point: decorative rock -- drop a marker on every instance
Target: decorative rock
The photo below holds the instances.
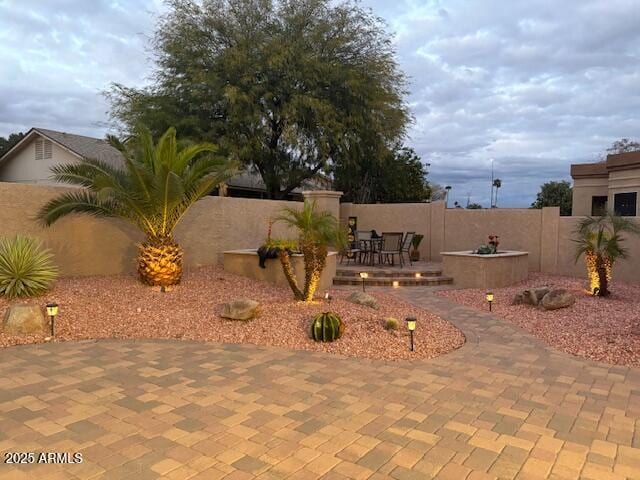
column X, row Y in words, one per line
column 240, row 309
column 361, row 298
column 534, row 296
column 24, row 319
column 558, row 298
column 518, row 299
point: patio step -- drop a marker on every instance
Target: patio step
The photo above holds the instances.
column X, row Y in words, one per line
column 383, row 273
column 388, row 281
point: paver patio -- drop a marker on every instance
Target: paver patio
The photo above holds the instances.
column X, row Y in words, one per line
column 503, row 406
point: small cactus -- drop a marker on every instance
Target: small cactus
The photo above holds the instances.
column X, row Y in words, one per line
column 326, row 327
column 390, row 323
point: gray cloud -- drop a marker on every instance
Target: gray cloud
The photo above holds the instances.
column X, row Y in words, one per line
column 534, row 85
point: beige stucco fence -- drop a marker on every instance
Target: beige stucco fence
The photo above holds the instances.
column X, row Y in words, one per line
column 89, row 246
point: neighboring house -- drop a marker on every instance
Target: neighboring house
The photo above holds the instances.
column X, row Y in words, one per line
column 31, row 159
column 612, row 184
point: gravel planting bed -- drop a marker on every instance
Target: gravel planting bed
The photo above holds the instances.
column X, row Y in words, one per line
column 602, row 329
column 121, row 307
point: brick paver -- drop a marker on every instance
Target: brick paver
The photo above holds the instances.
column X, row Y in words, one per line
column 503, row 406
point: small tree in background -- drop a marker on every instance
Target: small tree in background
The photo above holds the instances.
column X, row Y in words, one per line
column 9, row 142
column 497, row 183
column 474, row 206
column 555, row 194
column 600, row 240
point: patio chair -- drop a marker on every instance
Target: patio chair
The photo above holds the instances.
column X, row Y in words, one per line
column 364, row 243
column 351, row 251
column 406, row 247
column 390, row 247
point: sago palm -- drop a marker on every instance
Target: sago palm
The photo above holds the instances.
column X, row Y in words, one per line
column 317, row 231
column 600, row 240
column 153, row 190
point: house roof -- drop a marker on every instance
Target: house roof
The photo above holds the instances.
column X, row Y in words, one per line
column 617, row 161
column 80, row 145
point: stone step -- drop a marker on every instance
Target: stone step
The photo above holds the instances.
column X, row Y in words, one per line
column 436, row 272
column 389, row 281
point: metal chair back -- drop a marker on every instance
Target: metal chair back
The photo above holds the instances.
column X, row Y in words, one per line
column 406, row 243
column 391, row 241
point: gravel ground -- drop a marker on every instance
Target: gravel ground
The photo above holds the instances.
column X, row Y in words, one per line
column 602, row 329
column 120, row 307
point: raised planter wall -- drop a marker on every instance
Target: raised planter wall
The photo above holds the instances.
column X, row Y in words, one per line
column 470, row 270
column 245, row 263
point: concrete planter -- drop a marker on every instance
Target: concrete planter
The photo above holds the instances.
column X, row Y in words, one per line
column 245, row 263
column 470, row 270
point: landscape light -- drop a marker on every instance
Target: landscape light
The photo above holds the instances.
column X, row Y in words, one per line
column 52, row 311
column 489, row 297
column 327, row 297
column 418, row 275
column 396, row 284
column 411, row 326
column 363, row 275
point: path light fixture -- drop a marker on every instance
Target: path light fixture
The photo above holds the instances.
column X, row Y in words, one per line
column 489, row 298
column 418, row 275
column 363, row 276
column 52, row 311
column 395, row 284
column 411, row 326
column 327, row 297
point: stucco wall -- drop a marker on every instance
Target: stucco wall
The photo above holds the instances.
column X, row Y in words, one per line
column 583, row 190
column 83, row 245
column 23, row 167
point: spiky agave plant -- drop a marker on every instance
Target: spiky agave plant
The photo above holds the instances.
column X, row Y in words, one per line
column 600, row 240
column 153, row 190
column 317, row 231
column 26, row 269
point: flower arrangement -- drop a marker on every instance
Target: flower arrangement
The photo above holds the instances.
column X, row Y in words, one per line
column 490, row 248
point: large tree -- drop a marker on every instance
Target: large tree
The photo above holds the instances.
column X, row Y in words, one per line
column 555, row 194
column 394, row 176
column 9, row 142
column 290, row 88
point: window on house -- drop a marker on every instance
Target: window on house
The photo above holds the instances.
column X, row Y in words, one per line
column 598, row 205
column 44, row 149
column 625, row 204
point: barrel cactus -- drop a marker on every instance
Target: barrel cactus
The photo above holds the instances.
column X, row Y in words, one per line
column 326, row 327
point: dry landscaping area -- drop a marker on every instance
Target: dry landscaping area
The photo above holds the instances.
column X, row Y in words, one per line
column 605, row 329
column 121, row 307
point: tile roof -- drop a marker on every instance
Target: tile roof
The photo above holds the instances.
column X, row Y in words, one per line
column 87, row 147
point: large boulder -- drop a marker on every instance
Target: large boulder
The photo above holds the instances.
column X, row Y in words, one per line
column 534, row 296
column 361, row 298
column 558, row 298
column 24, row 320
column 240, row 309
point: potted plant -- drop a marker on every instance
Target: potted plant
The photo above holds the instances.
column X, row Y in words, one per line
column 415, row 243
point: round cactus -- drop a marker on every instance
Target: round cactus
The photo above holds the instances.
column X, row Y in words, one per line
column 326, row 327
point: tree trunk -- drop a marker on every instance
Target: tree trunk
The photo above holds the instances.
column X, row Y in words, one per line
column 601, row 268
column 290, row 275
column 315, row 259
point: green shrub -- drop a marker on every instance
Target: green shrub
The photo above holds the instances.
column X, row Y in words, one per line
column 326, row 327
column 390, row 323
column 26, row 269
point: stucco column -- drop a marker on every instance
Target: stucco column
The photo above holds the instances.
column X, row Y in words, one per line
column 437, row 230
column 326, row 200
column 549, row 233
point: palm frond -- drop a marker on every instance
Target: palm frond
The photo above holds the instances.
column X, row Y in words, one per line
column 82, row 201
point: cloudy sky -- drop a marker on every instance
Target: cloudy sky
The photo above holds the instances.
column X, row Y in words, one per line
column 534, row 85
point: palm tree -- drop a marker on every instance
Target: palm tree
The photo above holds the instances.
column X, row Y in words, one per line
column 153, row 190
column 600, row 241
column 497, row 183
column 316, row 232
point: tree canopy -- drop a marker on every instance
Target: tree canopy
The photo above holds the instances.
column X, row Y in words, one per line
column 555, row 194
column 398, row 176
column 9, row 142
column 289, row 88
